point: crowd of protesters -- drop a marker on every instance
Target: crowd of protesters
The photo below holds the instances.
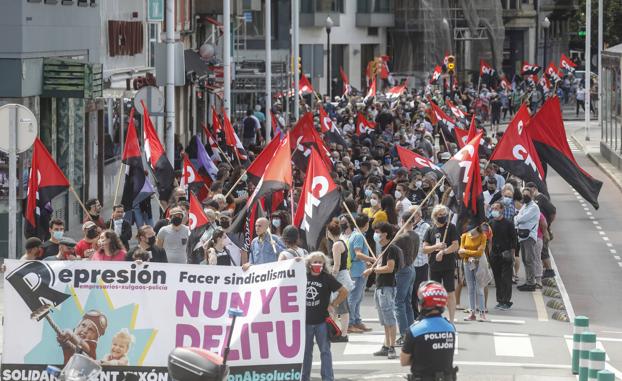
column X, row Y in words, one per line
column 398, row 231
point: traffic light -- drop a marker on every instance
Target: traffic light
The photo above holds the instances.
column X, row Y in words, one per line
column 582, row 32
column 451, row 65
column 299, row 64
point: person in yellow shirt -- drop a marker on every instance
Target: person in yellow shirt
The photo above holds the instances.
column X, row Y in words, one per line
column 472, row 246
column 375, row 212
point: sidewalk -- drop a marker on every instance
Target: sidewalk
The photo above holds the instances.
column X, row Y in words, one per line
column 575, row 131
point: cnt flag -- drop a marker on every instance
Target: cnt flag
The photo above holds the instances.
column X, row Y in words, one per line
column 553, row 73
column 46, row 181
column 319, row 201
column 456, row 110
column 567, row 64
column 549, row 137
column 302, row 137
column 330, row 131
column 216, row 126
column 304, row 85
column 196, row 216
column 516, row 153
column 529, row 69
column 156, row 157
column 436, row 74
column 486, row 71
column 410, row 159
column 137, row 187
column 397, row 91
column 364, row 126
column 189, row 174
column 371, row 93
column 258, row 166
column 505, row 84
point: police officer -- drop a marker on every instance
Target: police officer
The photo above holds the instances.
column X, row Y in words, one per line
column 429, row 343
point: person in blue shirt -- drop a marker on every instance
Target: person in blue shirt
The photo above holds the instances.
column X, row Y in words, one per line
column 360, row 259
column 265, row 248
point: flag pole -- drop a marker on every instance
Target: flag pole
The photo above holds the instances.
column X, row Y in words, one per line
column 116, row 192
column 236, row 183
column 357, row 228
column 80, row 202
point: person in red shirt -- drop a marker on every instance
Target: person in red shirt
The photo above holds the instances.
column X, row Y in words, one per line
column 87, row 246
column 110, row 247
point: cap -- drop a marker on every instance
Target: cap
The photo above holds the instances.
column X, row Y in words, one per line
column 33, row 242
column 88, row 225
column 99, row 319
column 66, row 241
column 445, row 156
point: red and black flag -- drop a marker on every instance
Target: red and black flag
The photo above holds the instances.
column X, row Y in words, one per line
column 212, row 146
column 463, row 173
column 397, row 91
column 46, row 181
column 258, row 166
column 189, row 175
column 371, row 92
column 456, row 110
column 216, row 126
column 232, row 139
column 410, row 160
column 529, row 69
column 156, row 157
column 196, row 216
column 516, row 153
column 347, row 89
column 553, row 73
column 436, row 74
column 330, row 131
column 364, row 126
column 567, row 64
column 137, row 187
column 549, row 137
column 302, row 137
column 486, row 72
column 505, row 84
column 319, row 201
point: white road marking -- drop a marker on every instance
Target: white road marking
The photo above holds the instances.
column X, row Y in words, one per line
column 507, row 321
column 586, row 209
column 599, row 228
column 609, row 244
column 512, row 344
column 504, row 364
column 612, row 251
column 540, row 307
column 620, row 264
column 591, row 217
column 616, row 257
column 605, row 238
column 588, row 213
column 562, row 289
column 595, row 222
column 601, row 232
column 365, row 344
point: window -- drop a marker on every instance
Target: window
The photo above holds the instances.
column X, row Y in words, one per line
column 372, row 31
column 154, row 38
column 324, row 6
column 125, row 38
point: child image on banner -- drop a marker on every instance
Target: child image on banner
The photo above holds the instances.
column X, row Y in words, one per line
column 85, row 336
column 121, row 343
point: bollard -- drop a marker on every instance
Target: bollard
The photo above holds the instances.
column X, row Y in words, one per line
column 596, row 363
column 588, row 342
column 605, row 375
column 581, row 323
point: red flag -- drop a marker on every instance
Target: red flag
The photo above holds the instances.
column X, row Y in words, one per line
column 278, row 173
column 363, row 126
column 505, row 84
column 301, row 136
column 485, row 70
column 436, row 74
column 213, row 146
column 258, row 166
column 45, row 182
column 372, row 90
column 156, row 157
column 131, row 151
column 463, row 173
column 455, row 110
column 318, row 202
column 440, row 115
column 304, row 86
column 346, row 82
column 516, row 153
column 232, row 140
column 544, row 83
column 189, row 174
column 567, row 64
column 137, row 187
column 215, row 122
column 196, row 216
column 397, row 91
column 462, row 136
column 326, row 123
column 409, row 160
column 384, row 66
column 553, row 73
column 529, row 69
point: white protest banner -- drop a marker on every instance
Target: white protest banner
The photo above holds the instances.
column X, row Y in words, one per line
column 131, row 316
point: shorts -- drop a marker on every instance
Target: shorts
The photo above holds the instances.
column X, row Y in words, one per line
column 384, row 297
column 446, row 278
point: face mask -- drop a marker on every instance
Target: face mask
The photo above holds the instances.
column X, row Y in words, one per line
column 526, row 199
column 317, row 267
column 373, row 202
column 244, row 177
column 398, row 194
column 377, row 237
column 368, row 192
column 176, row 220
column 350, row 121
column 418, row 184
column 441, row 188
column 507, row 199
column 91, row 233
column 495, row 214
column 276, row 222
column 57, row 235
column 344, row 227
column 151, row 240
column 441, row 219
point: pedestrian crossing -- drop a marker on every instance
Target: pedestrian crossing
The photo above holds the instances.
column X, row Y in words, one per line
column 574, row 147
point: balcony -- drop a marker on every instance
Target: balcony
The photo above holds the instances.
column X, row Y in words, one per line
column 313, row 13
column 375, row 13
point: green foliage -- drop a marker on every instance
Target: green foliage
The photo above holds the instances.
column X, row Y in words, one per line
column 612, row 13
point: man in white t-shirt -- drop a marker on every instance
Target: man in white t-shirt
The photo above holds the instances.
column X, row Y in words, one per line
column 173, row 238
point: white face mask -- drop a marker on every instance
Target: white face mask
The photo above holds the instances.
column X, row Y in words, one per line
column 398, row 194
column 373, row 202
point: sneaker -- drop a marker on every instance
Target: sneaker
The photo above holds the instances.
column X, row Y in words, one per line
column 503, row 307
column 384, row 351
column 340, row 339
column 538, row 286
column 509, row 304
column 527, row 287
column 499, row 306
column 362, row 327
column 482, row 317
column 548, row 273
column 392, row 355
column 471, row 317
column 399, row 342
column 354, row 329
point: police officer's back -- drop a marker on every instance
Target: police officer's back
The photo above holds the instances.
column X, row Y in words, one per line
column 429, row 343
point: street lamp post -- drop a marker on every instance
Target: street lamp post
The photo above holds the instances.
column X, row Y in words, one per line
column 329, row 25
column 546, row 23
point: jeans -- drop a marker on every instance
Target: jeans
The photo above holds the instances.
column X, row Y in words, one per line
column 502, row 271
column 403, row 307
column 476, row 293
column 421, row 275
column 355, row 298
column 320, row 332
column 528, row 251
